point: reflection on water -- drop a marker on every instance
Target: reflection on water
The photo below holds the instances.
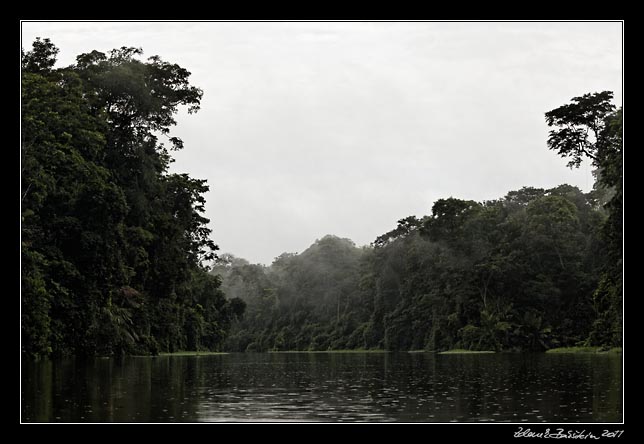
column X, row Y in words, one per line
column 330, row 387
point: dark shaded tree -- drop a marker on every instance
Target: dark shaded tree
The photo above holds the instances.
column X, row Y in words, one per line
column 591, row 127
column 114, row 247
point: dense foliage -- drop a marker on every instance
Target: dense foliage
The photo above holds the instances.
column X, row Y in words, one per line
column 590, row 127
column 534, row 270
column 113, row 245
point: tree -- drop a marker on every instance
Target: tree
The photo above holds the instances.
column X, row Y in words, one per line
column 591, row 127
column 580, row 127
column 115, row 249
column 404, row 228
column 448, row 217
column 516, row 273
column 42, row 57
column 519, row 273
column 72, row 211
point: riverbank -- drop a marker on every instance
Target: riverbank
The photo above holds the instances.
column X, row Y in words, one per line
column 460, row 351
column 193, row 353
column 580, row 350
column 456, row 351
column 357, row 350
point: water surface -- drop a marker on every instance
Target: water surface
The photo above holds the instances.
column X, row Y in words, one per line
column 328, row 387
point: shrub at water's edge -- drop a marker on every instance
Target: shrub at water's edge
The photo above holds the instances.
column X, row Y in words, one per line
column 579, row 350
column 460, row 351
column 193, row 353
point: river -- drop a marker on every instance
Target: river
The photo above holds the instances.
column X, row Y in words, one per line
column 327, row 387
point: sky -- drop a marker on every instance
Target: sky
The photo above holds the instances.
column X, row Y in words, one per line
column 315, row 128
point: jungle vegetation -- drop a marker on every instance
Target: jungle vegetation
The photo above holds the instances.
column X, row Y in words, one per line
column 116, row 249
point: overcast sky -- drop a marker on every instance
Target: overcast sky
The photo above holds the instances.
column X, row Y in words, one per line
column 308, row 129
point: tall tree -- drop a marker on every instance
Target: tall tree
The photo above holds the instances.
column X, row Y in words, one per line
column 591, row 127
column 114, row 247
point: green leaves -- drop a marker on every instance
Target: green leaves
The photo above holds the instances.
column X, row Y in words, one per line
column 506, row 274
column 448, row 217
column 591, row 127
column 138, row 97
column 580, row 126
column 100, row 213
column 42, row 57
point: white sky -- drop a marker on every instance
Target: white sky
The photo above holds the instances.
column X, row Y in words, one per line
column 308, row 129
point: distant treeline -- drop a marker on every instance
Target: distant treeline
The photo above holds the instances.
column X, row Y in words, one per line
column 112, row 244
column 533, row 270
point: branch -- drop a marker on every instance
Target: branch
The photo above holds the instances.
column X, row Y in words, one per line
column 594, row 158
column 25, row 193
